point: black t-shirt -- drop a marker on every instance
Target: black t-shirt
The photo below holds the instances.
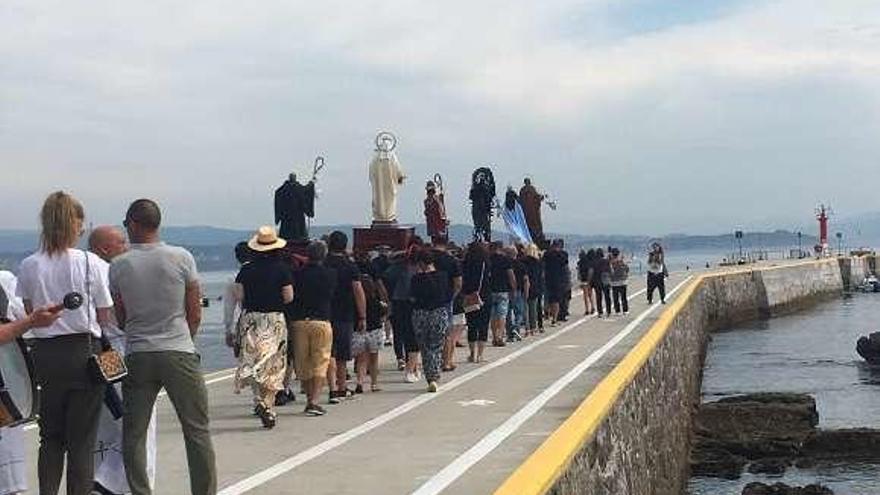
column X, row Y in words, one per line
column 262, row 280
column 375, row 309
column 519, row 270
column 313, row 288
column 500, row 264
column 601, row 269
column 536, row 277
column 430, row 290
column 342, row 305
column 472, row 272
column 445, row 262
column 555, row 266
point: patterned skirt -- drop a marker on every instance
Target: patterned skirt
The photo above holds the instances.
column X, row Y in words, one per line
column 263, row 359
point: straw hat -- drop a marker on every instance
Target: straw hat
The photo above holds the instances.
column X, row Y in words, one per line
column 266, row 239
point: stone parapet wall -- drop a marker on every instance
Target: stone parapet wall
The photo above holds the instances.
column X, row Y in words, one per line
column 631, row 435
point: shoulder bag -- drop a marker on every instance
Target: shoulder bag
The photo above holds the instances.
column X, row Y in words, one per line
column 474, row 301
column 106, row 365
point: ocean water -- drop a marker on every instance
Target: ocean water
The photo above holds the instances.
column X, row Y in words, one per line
column 211, row 340
column 808, row 352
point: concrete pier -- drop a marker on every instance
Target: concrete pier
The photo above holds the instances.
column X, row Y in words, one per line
column 519, row 423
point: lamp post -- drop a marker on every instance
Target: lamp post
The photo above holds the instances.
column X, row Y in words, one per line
column 739, row 239
column 800, row 249
column 839, row 236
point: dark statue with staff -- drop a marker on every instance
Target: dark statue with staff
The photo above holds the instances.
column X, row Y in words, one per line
column 531, row 201
column 294, row 203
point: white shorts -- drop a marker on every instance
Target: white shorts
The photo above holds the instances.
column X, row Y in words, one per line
column 459, row 319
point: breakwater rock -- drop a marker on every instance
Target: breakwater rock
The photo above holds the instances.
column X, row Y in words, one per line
column 766, row 433
column 783, row 489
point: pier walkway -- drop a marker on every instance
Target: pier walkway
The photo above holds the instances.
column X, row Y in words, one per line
column 466, row 439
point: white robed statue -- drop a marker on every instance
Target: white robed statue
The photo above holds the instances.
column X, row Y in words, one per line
column 386, row 176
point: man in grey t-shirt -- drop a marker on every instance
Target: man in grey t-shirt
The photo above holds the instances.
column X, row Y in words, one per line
column 158, row 305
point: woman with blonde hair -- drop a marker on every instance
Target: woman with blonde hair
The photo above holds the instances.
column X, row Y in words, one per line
column 264, row 286
column 70, row 400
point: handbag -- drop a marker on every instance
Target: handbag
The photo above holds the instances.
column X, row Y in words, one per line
column 107, row 365
column 474, row 301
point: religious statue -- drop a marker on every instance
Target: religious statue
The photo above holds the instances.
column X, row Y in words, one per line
column 435, row 211
column 531, row 201
column 293, row 203
column 514, row 218
column 386, row 176
column 482, row 198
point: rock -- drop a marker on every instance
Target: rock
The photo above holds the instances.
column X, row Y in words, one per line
column 783, row 489
column 756, row 426
column 855, row 443
column 769, row 466
column 716, row 463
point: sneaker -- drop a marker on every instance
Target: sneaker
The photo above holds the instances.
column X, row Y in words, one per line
column 401, row 364
column 314, row 410
column 410, row 377
column 432, row 387
column 418, row 375
column 663, row 301
column 334, row 398
column 359, row 389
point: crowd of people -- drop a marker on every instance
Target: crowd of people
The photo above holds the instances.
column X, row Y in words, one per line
column 313, row 321
column 306, row 318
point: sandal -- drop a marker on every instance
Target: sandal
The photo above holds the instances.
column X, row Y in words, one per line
column 375, row 388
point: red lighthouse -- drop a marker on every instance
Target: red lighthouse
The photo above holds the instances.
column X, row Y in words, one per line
column 822, row 214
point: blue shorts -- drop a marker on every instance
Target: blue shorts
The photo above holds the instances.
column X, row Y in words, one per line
column 500, row 305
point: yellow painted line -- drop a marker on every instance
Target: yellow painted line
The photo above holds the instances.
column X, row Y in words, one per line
column 538, row 474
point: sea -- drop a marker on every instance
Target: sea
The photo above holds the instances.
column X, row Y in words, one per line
column 809, row 352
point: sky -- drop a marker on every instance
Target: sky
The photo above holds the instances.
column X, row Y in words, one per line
column 637, row 116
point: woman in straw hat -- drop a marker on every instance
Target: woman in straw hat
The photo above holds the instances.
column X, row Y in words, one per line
column 264, row 287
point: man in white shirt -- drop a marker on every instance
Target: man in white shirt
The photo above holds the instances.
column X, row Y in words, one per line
column 108, row 242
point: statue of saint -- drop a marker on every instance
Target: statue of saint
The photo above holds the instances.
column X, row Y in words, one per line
column 386, row 176
column 435, row 214
column 293, row 203
column 514, row 218
column 482, row 198
column 531, row 201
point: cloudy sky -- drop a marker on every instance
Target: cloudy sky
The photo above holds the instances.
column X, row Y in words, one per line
column 639, row 116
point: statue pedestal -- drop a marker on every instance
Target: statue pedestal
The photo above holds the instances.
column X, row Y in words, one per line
column 395, row 236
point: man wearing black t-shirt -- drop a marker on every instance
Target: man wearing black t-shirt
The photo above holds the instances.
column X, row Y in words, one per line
column 348, row 312
column 313, row 289
column 555, row 268
column 502, row 281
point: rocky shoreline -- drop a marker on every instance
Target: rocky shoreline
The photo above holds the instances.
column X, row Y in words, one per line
column 766, row 433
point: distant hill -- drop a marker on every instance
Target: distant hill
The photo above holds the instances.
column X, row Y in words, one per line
column 212, row 246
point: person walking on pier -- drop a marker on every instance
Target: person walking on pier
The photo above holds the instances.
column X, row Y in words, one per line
column 71, row 400
column 264, row 287
column 108, row 243
column 516, row 314
column 657, row 273
column 349, row 313
column 535, row 271
column 555, row 266
column 310, row 311
column 431, row 314
column 158, row 306
column 601, row 283
column 503, row 282
column 365, row 345
column 476, row 296
column 619, row 276
column 585, row 274
column 444, row 261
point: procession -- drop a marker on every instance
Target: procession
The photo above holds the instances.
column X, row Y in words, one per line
column 90, row 336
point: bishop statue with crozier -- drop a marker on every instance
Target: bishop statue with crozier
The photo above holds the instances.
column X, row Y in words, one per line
column 293, row 203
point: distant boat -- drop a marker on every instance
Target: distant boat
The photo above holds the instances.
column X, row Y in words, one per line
column 871, row 284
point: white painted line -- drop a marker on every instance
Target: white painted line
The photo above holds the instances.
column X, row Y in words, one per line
column 307, row 455
column 476, row 402
column 487, row 444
